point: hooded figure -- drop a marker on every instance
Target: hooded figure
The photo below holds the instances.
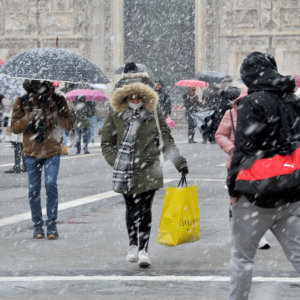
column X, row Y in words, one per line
column 259, row 134
column 41, row 115
column 130, row 144
column 164, row 103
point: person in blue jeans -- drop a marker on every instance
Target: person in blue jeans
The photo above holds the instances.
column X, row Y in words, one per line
column 41, row 115
column 51, row 168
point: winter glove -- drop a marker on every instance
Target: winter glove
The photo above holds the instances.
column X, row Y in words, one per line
column 184, row 170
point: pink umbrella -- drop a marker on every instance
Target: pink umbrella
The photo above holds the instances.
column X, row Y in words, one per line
column 297, row 80
column 192, row 83
column 90, row 95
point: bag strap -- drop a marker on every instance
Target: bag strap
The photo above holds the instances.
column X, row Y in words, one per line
column 161, row 142
column 182, row 181
column 232, row 124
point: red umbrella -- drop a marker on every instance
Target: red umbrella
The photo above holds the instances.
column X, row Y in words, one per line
column 192, row 83
column 2, row 61
column 297, row 80
column 90, row 95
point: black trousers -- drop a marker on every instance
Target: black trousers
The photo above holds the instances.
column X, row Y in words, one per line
column 139, row 218
column 191, row 128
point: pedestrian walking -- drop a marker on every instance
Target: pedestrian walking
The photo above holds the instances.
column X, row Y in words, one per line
column 164, row 103
column 262, row 132
column 192, row 105
column 41, row 115
column 14, row 139
column 218, row 97
column 131, row 145
column 82, row 113
column 225, row 139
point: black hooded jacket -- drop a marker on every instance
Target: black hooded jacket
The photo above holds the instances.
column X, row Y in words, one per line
column 259, row 131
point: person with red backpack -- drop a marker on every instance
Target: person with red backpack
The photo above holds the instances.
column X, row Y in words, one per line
column 263, row 178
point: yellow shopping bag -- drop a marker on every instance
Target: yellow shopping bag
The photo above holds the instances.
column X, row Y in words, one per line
column 180, row 221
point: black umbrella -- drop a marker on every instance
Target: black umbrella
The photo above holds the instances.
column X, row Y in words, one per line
column 210, row 76
column 141, row 68
column 53, row 64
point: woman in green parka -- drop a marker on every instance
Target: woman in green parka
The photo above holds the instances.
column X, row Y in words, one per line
column 130, row 144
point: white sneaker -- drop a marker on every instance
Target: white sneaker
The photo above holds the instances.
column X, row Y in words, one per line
column 144, row 260
column 263, row 244
column 133, row 254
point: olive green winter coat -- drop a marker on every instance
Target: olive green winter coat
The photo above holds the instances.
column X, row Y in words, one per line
column 146, row 166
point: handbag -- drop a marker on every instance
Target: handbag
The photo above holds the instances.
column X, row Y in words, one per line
column 180, row 221
column 170, row 122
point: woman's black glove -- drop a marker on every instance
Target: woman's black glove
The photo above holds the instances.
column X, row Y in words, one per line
column 184, row 170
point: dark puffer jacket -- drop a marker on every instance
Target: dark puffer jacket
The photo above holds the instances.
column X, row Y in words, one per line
column 259, row 131
column 164, row 104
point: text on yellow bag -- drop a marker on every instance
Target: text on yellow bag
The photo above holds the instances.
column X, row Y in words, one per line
column 180, row 221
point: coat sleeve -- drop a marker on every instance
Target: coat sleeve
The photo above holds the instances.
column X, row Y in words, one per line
column 222, row 135
column 19, row 120
column 109, row 140
column 171, row 152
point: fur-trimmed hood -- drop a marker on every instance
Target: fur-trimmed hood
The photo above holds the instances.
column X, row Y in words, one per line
column 134, row 83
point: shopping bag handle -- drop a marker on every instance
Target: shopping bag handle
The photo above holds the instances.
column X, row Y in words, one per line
column 182, row 181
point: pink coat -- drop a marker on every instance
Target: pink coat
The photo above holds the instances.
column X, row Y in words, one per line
column 225, row 135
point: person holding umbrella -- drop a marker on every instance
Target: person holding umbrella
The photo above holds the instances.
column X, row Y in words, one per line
column 130, row 144
column 192, row 104
column 41, row 115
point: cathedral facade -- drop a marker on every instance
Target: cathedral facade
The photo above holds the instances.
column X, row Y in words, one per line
column 173, row 38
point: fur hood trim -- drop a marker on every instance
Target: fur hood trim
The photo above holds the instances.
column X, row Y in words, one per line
column 134, row 83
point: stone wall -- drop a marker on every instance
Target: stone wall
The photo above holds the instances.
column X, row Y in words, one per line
column 232, row 29
column 225, row 31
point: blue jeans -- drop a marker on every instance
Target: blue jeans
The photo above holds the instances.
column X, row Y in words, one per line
column 85, row 133
column 51, row 168
column 99, row 122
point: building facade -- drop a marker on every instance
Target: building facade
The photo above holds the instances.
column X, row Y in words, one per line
column 173, row 38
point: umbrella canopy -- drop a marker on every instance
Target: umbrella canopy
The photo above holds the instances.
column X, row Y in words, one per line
column 53, row 64
column 81, row 86
column 210, row 76
column 141, row 68
column 2, row 61
column 11, row 88
column 90, row 95
column 192, row 83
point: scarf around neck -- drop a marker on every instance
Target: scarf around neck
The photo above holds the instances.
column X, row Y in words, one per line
column 123, row 167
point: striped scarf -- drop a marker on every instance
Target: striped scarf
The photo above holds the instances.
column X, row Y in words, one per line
column 123, row 167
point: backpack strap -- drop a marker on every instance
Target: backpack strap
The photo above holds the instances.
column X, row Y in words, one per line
column 232, row 124
column 161, row 142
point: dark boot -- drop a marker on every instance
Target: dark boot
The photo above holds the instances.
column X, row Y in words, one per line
column 13, row 170
column 16, row 168
column 191, row 141
column 52, row 233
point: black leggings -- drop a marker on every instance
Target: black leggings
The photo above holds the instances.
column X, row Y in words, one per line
column 139, row 218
